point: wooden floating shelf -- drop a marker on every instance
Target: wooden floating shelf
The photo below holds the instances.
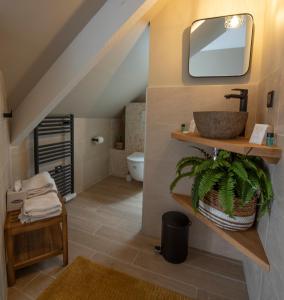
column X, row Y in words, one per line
column 240, row 145
column 247, row 242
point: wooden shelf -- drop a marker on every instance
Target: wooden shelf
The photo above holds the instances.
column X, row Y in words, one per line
column 240, row 145
column 247, row 242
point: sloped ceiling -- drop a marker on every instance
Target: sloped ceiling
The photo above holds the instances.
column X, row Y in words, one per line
column 33, row 33
column 46, row 54
column 118, row 79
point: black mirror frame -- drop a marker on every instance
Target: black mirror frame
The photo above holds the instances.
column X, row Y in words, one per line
column 251, row 47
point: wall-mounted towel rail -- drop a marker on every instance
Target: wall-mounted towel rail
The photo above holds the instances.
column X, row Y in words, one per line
column 54, row 145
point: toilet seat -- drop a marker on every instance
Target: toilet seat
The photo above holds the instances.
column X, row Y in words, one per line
column 136, row 157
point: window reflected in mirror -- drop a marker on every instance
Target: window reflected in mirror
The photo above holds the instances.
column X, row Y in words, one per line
column 221, row 46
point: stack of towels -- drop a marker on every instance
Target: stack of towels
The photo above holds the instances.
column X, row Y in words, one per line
column 41, row 201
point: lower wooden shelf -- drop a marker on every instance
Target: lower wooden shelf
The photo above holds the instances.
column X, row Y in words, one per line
column 247, row 242
column 34, row 246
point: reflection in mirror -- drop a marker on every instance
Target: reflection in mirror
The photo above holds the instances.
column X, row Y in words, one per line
column 221, row 46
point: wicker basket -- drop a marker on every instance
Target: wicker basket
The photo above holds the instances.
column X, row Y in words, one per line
column 244, row 216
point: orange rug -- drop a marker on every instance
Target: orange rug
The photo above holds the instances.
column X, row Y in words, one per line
column 86, row 280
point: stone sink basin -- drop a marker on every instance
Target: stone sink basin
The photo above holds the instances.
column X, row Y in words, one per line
column 220, row 124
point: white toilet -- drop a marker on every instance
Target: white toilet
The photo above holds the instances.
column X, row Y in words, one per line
column 135, row 163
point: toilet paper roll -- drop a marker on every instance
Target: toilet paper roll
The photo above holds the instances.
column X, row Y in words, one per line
column 98, row 139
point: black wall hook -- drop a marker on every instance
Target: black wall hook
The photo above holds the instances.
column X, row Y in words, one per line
column 8, row 115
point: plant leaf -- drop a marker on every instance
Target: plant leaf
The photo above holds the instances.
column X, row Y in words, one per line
column 238, row 169
column 226, row 194
column 188, row 162
column 178, row 178
column 205, row 165
column 189, row 158
column 195, row 193
column 266, row 186
column 224, row 155
column 247, row 193
column 263, row 207
column 207, row 182
column 249, row 164
column 220, row 163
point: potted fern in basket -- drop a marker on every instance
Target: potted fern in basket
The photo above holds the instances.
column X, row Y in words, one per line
column 228, row 187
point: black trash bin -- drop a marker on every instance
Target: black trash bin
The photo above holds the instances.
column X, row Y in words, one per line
column 174, row 244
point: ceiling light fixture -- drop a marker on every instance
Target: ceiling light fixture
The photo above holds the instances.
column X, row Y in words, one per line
column 232, row 22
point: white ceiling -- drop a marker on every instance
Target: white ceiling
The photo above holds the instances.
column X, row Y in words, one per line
column 119, row 78
column 33, row 33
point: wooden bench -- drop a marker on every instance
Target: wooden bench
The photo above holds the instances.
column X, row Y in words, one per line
column 27, row 244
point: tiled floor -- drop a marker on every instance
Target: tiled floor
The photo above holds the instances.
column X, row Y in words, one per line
column 104, row 225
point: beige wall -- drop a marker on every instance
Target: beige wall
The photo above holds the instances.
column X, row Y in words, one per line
column 22, row 159
column 269, row 285
column 91, row 160
column 4, row 181
column 118, row 163
column 172, row 97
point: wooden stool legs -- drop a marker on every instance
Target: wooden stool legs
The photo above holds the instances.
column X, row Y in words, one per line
column 11, row 277
column 65, row 240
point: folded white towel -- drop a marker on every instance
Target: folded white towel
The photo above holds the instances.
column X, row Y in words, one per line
column 48, row 188
column 29, row 219
column 42, row 203
column 42, row 200
column 42, row 213
column 37, row 181
column 39, row 184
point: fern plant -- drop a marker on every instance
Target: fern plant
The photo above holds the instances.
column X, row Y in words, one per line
column 231, row 175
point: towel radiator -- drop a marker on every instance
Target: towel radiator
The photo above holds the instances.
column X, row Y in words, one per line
column 54, row 150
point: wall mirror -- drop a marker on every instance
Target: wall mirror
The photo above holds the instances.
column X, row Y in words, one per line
column 221, row 46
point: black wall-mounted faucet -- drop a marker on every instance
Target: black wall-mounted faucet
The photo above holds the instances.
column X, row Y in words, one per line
column 243, row 96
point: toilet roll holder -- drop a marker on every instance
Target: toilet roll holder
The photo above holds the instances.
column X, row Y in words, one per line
column 97, row 140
